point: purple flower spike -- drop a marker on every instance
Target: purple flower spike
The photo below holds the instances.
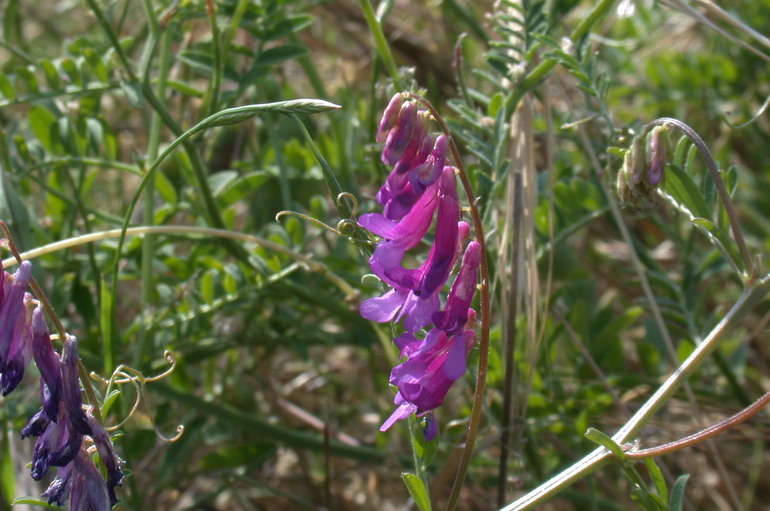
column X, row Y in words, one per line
column 73, row 403
column 48, row 363
column 12, row 304
column 399, row 137
column 389, row 116
column 455, row 313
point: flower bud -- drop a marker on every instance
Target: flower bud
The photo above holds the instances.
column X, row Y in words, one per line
column 657, row 155
column 389, row 116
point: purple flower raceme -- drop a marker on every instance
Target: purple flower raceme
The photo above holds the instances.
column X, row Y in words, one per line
column 419, row 187
column 62, row 423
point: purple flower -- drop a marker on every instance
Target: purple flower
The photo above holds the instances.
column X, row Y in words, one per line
column 407, row 232
column 389, row 116
column 73, row 403
column 108, row 457
column 81, row 483
column 455, row 313
column 11, row 305
column 400, row 136
column 56, row 446
column 48, row 363
column 425, row 377
column 20, row 349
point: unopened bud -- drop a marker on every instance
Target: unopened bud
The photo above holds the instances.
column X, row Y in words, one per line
column 638, row 159
column 657, row 155
column 389, row 116
column 624, row 183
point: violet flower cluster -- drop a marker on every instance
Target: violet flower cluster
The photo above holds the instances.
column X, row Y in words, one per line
column 420, row 187
column 62, row 423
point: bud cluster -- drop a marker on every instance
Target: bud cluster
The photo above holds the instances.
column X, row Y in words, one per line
column 419, row 187
column 643, row 167
column 62, row 423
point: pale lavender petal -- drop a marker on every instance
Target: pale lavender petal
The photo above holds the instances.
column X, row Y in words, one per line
column 383, row 308
column 401, row 412
column 417, row 311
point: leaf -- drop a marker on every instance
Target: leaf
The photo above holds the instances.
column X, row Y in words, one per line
column 205, row 62
column 72, row 71
column 603, row 439
column 51, row 74
column 278, row 54
column 242, row 186
column 242, row 113
column 417, row 491
column 657, row 478
column 721, row 240
column 42, row 122
column 685, row 192
column 287, row 26
column 29, row 78
column 30, row 501
column 6, row 88
column 133, row 93
column 185, row 88
column 677, row 493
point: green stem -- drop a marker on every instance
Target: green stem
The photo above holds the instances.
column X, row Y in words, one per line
column 750, row 297
column 148, row 244
column 381, row 43
column 211, row 102
column 307, row 261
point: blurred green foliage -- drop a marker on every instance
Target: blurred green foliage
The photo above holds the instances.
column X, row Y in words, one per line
column 280, row 384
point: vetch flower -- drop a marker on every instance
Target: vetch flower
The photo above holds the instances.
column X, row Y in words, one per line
column 11, row 309
column 419, row 186
column 107, row 455
column 81, row 484
column 20, row 349
column 48, row 363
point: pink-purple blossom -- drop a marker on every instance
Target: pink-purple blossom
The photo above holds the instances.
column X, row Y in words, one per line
column 420, row 192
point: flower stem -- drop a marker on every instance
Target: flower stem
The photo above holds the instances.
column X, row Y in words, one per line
column 702, row 435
